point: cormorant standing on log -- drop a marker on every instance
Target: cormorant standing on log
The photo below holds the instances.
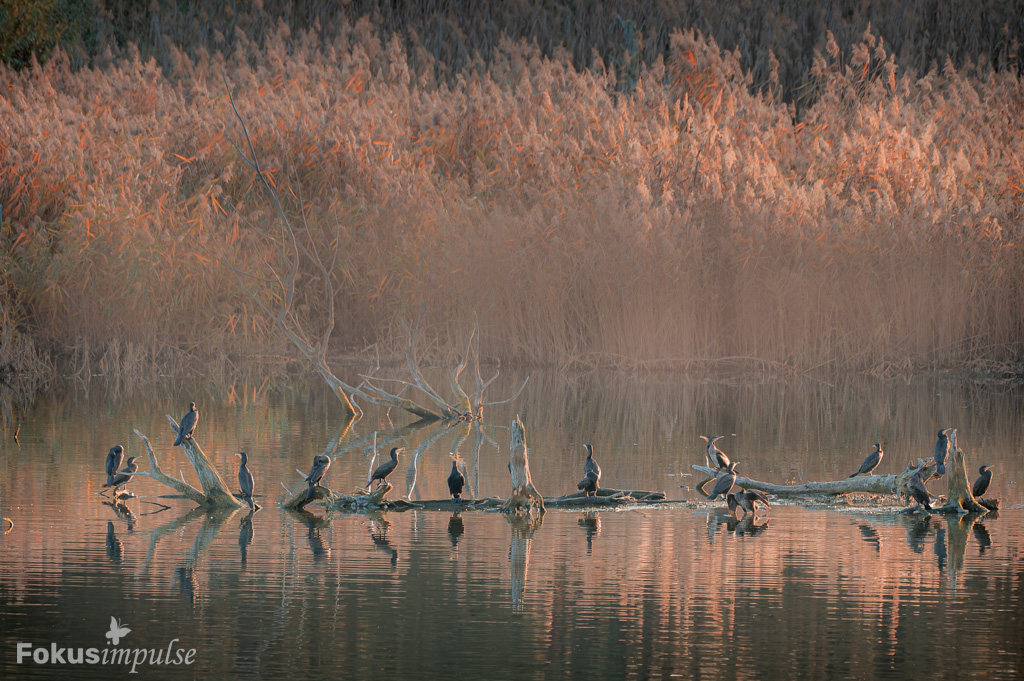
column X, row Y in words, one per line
column 385, row 469
column 114, row 458
column 187, row 424
column 871, row 462
column 456, row 480
column 747, row 500
column 716, row 457
column 125, row 476
column 983, row 481
column 725, row 481
column 918, row 491
column 941, row 450
column 321, row 462
column 591, row 472
column 245, row 479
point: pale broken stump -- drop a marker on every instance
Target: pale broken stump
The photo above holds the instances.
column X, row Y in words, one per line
column 525, row 497
column 960, row 499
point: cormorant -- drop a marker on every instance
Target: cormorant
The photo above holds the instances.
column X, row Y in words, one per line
column 187, row 424
column 716, row 457
column 245, row 479
column 983, row 481
column 114, row 458
column 725, row 481
column 456, row 480
column 591, row 473
column 869, row 463
column 747, row 500
column 385, row 469
column 941, row 450
column 321, row 462
column 918, row 492
column 126, row 475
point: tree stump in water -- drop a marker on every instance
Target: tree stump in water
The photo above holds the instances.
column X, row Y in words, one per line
column 960, row 499
column 525, row 497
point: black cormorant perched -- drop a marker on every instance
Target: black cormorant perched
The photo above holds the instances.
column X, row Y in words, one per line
column 321, row 462
column 725, row 481
column 456, row 480
column 187, row 425
column 385, row 469
column 983, row 481
column 114, row 458
column 126, row 475
column 941, row 450
column 918, row 491
column 747, row 500
column 245, row 480
column 871, row 462
column 716, row 457
column 591, row 473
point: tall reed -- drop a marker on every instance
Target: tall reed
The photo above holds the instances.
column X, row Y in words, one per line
column 690, row 221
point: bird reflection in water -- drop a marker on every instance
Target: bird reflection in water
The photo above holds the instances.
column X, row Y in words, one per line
column 379, row 526
column 590, row 522
column 245, row 535
column 115, row 549
column 749, row 526
column 456, row 529
column 940, row 547
column 121, row 509
column 871, row 537
column 186, row 583
column 981, row 535
column 917, row 532
column 317, row 545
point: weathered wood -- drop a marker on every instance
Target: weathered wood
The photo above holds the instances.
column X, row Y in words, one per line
column 959, row 499
column 867, row 484
column 338, row 502
column 524, row 498
column 215, row 492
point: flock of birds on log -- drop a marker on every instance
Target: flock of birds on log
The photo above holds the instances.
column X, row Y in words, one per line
column 725, row 478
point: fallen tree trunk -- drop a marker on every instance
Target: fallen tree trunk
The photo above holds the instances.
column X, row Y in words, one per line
column 865, row 484
column 214, row 494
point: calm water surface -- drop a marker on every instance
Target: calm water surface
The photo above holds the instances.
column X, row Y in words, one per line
column 676, row 592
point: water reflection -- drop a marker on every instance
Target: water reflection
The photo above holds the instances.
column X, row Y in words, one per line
column 590, row 521
column 750, row 525
column 456, row 528
column 245, row 536
column 981, row 537
column 115, row 549
column 523, row 527
column 379, row 526
column 870, row 535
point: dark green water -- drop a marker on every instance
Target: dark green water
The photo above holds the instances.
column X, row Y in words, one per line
column 676, row 592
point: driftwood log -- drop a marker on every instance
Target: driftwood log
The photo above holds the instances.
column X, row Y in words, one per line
column 959, row 499
column 865, row 484
column 214, row 493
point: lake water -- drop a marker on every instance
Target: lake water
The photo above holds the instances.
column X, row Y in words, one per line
column 668, row 592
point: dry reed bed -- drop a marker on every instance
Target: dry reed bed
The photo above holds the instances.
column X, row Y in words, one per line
column 683, row 223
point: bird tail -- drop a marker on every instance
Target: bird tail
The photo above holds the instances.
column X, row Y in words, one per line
column 309, row 493
column 854, row 475
column 181, row 436
column 941, row 469
column 110, row 481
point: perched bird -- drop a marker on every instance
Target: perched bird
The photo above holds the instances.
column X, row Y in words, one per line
column 591, row 473
column 983, row 481
column 245, row 479
column 456, row 480
column 918, row 491
column 321, row 462
column 187, row 424
column 869, row 463
column 747, row 500
column 941, row 450
column 385, row 469
column 114, row 458
column 725, row 481
column 126, row 475
column 716, row 457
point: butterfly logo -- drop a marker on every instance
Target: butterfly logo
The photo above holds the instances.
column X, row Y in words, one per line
column 117, row 631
